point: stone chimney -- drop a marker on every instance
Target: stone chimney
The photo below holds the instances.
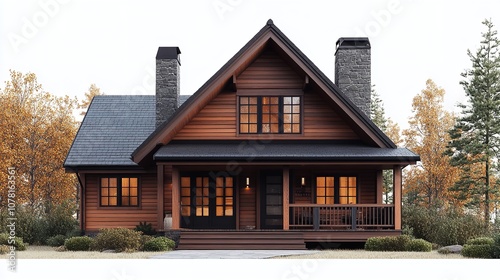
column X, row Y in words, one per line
column 167, row 82
column 353, row 71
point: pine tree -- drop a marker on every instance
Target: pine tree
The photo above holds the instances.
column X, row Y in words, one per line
column 475, row 139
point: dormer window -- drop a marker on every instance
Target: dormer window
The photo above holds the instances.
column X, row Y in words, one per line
column 270, row 114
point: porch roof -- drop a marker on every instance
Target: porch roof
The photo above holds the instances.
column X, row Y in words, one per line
column 255, row 151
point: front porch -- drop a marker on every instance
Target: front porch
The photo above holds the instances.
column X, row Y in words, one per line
column 319, row 202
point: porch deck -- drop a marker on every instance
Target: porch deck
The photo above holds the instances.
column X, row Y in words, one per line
column 307, row 223
column 271, row 239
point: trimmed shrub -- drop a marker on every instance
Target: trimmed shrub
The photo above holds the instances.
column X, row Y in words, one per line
column 18, row 242
column 400, row 242
column 56, row 241
column 481, row 241
column 387, row 243
column 144, row 240
column 418, row 245
column 145, row 228
column 4, row 249
column 159, row 244
column 78, row 243
column 375, row 244
column 118, row 239
column 477, row 251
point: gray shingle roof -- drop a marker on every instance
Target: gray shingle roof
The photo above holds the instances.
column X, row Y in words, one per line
column 280, row 151
column 112, row 129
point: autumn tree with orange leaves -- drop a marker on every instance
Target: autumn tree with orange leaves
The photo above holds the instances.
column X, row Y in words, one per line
column 36, row 132
column 428, row 182
column 89, row 95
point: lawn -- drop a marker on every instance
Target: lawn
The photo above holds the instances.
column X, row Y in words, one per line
column 46, row 252
column 362, row 254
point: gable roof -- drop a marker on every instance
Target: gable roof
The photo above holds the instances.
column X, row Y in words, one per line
column 112, row 129
column 239, row 62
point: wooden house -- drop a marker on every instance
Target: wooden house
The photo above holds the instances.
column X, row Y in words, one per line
column 268, row 153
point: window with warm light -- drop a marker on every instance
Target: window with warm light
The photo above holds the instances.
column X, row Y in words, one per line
column 119, row 191
column 336, row 190
column 224, row 196
column 325, row 190
column 201, row 196
column 270, row 114
column 347, row 190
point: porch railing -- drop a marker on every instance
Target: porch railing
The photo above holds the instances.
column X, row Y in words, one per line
column 342, row 216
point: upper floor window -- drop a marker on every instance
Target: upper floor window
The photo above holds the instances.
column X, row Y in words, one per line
column 270, row 114
column 119, row 191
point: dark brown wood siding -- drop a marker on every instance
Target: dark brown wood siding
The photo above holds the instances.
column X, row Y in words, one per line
column 267, row 74
column 167, row 190
column 269, row 71
column 322, row 122
column 97, row 217
column 367, row 187
column 217, row 120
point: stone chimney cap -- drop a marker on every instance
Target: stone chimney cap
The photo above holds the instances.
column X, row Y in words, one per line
column 353, row 43
column 168, row 53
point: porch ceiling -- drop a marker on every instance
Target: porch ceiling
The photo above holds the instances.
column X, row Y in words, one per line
column 284, row 151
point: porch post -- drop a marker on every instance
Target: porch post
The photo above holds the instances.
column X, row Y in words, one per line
column 176, row 213
column 159, row 195
column 380, row 187
column 397, row 180
column 286, row 198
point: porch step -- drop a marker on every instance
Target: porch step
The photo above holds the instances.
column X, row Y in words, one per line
column 241, row 240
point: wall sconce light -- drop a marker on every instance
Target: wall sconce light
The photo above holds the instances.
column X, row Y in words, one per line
column 303, row 181
column 247, row 185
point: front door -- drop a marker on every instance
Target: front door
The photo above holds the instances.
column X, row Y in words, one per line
column 272, row 201
column 207, row 202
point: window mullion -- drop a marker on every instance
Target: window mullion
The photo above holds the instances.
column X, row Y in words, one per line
column 280, row 115
column 336, row 189
column 118, row 191
column 259, row 114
